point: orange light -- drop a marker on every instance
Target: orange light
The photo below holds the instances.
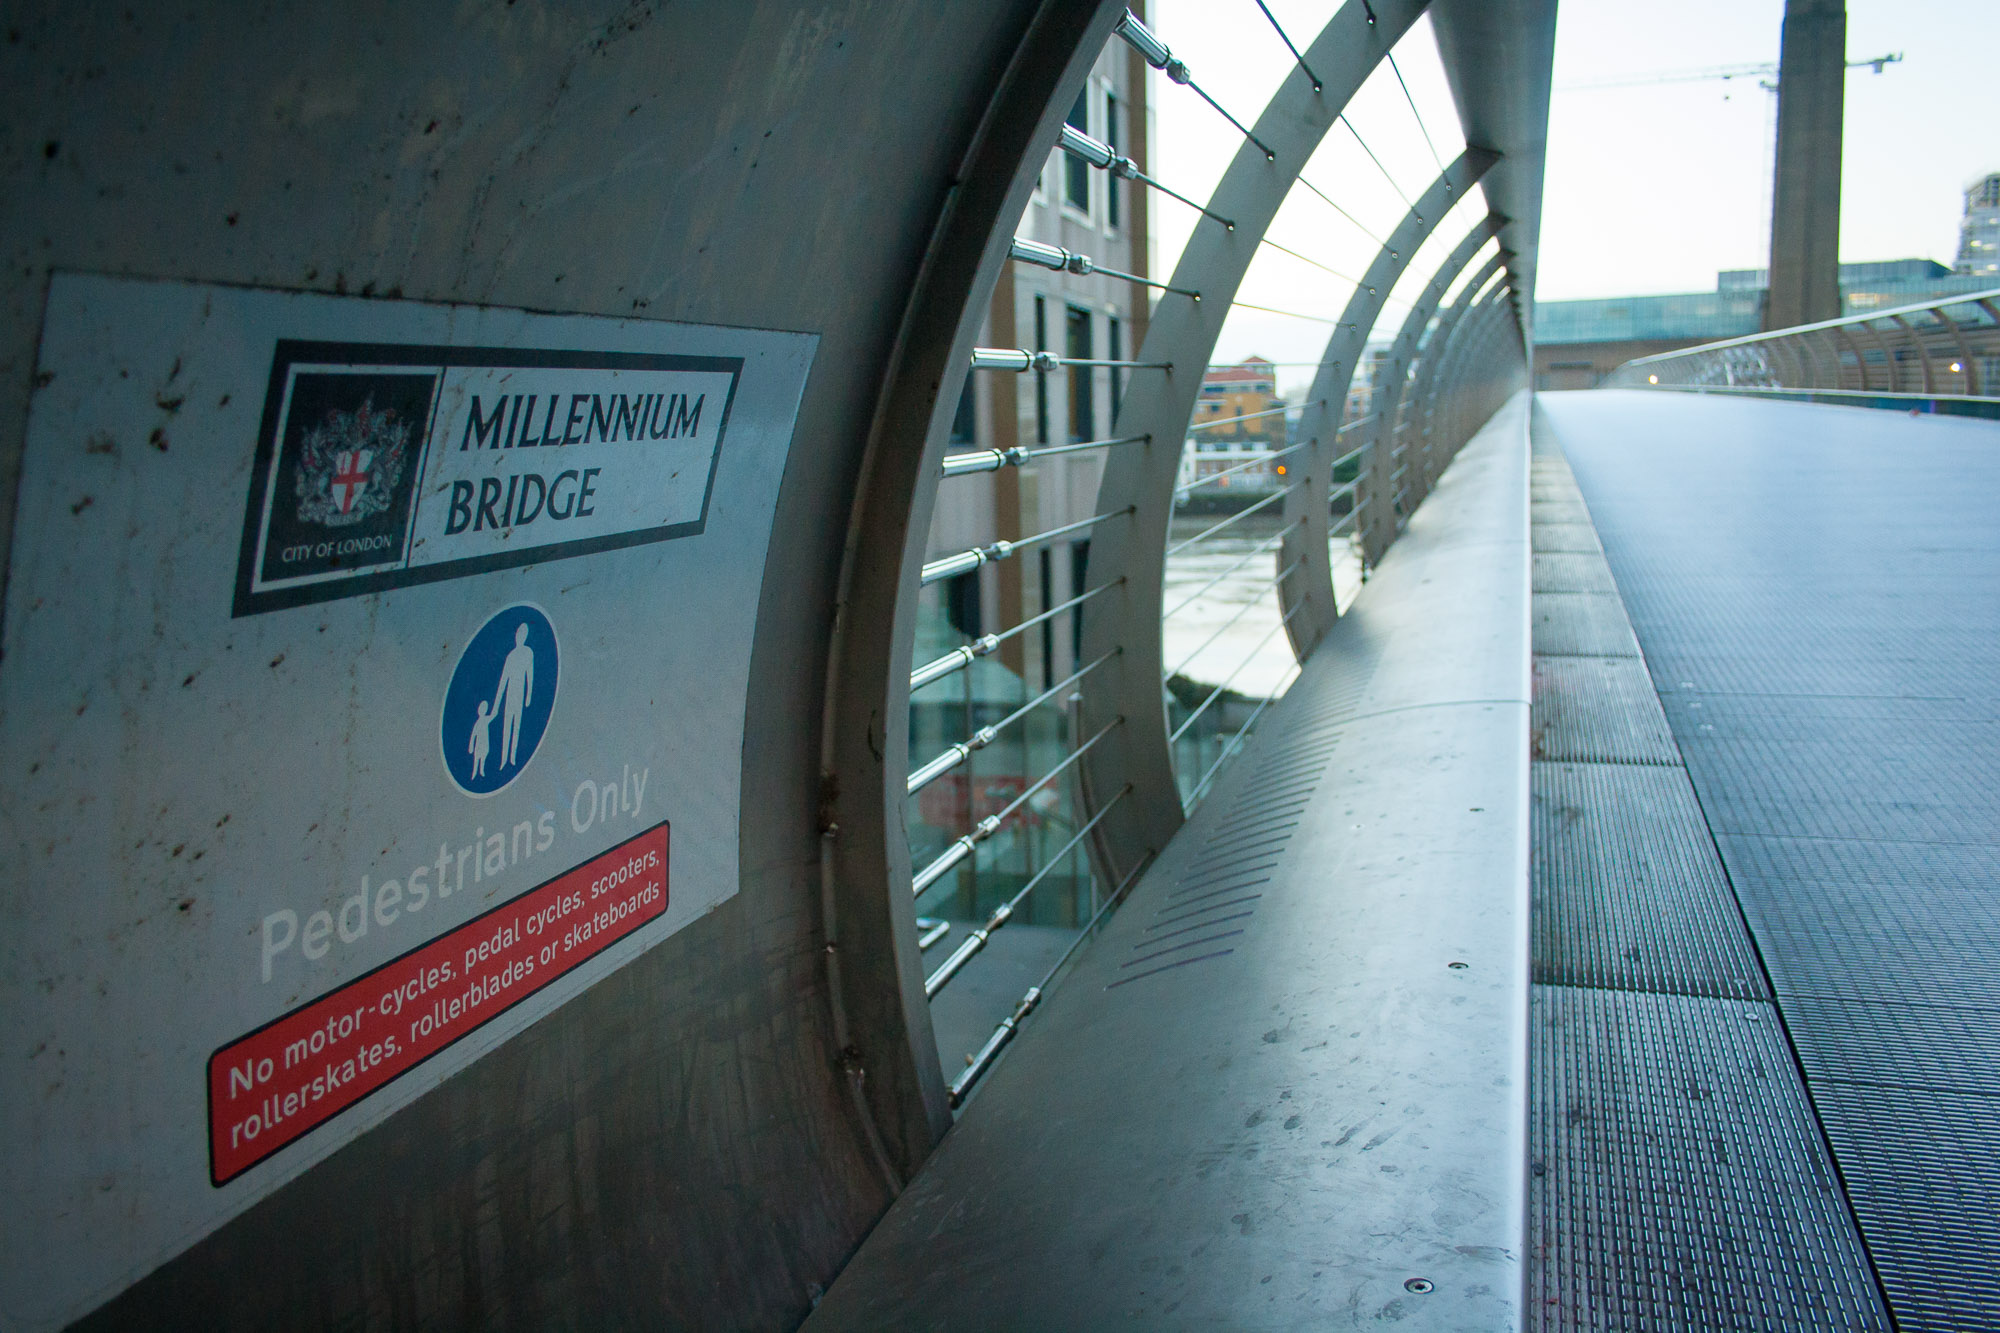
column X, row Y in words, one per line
column 1281, row 469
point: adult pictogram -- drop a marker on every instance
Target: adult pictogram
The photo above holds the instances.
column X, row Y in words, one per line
column 506, row 674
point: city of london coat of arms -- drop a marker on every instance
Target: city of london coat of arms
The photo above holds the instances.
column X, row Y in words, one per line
column 349, row 465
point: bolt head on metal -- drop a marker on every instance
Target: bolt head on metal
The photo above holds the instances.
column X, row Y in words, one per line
column 1419, row 1285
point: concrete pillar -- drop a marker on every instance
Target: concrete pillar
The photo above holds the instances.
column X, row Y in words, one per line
column 1805, row 198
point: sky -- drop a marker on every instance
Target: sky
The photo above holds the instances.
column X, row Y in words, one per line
column 1650, row 187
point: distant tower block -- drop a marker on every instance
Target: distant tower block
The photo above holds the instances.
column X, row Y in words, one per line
column 1979, row 233
column 1805, row 201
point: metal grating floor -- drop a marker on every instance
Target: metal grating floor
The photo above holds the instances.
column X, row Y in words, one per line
column 1601, row 710
column 1581, row 624
column 1824, row 632
column 1628, row 891
column 1560, row 572
column 1681, row 1180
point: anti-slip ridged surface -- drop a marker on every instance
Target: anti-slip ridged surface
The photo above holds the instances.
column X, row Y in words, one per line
column 1678, row 1179
column 1600, row 710
column 1817, row 592
column 1628, row 890
column 1559, row 572
column 1581, row 624
column 1681, row 1182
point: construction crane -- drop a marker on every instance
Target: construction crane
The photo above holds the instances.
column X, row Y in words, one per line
column 1766, row 75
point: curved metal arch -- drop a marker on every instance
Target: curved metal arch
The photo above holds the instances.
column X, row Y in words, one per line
column 1846, row 340
column 1493, row 308
column 1888, row 356
column 1387, row 407
column 1435, row 349
column 1923, row 351
column 1473, row 303
column 1158, row 404
column 881, row 1025
column 1311, row 616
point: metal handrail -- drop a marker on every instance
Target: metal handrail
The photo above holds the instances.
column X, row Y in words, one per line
column 1827, row 357
column 1969, row 298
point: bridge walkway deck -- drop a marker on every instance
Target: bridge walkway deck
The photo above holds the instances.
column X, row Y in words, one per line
column 1816, row 598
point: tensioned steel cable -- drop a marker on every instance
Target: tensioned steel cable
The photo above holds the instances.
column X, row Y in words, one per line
column 1263, row 547
column 1421, row 127
column 1279, row 28
column 1088, row 150
column 1141, row 39
column 987, row 827
column 1407, row 202
column 961, row 657
column 954, row 755
column 976, row 941
column 1230, row 623
column 1328, row 200
column 982, row 1060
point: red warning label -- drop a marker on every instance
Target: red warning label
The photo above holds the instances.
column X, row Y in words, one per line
column 297, row 1072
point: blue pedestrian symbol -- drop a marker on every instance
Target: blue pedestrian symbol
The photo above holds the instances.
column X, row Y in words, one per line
column 499, row 700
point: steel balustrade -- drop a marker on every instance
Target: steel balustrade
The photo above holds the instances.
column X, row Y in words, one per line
column 1945, row 350
column 1116, row 700
column 1343, row 353
column 981, row 1060
column 960, row 658
column 1392, row 376
column 1434, row 351
column 957, row 754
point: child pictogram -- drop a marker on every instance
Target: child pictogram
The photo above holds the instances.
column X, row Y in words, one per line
column 506, row 674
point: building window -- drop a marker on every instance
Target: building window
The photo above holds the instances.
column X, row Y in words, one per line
column 1114, row 350
column 1076, row 172
column 1111, row 182
column 1079, row 562
column 1041, row 376
column 1049, row 626
column 964, row 421
column 1082, row 404
column 961, row 604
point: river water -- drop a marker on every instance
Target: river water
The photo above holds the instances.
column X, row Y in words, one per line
column 1230, row 632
